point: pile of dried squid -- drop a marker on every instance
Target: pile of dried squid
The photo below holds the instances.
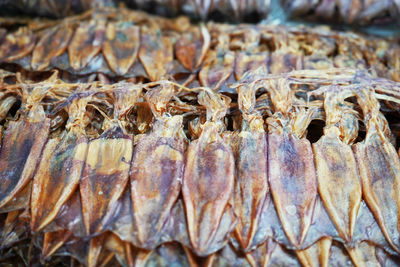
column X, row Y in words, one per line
column 158, row 173
column 352, row 12
column 361, row 12
column 135, row 140
column 117, row 44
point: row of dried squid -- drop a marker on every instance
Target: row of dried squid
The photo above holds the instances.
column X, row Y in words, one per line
column 348, row 11
column 122, row 44
column 220, row 10
column 92, row 175
column 360, row 12
column 225, row 10
column 50, row 8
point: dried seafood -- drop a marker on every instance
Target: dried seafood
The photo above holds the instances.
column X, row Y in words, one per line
column 211, row 179
column 115, row 44
column 214, row 9
column 49, row 8
column 349, row 12
column 254, row 9
column 358, row 12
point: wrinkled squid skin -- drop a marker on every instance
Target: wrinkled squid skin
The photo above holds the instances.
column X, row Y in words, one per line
column 338, row 183
column 52, row 241
column 293, row 183
column 261, row 255
column 281, row 62
column 207, row 186
column 365, row 254
column 85, row 44
column 361, row 12
column 20, row 201
column 316, row 255
column 121, row 46
column 246, row 61
column 379, row 167
column 22, row 146
column 51, row 45
column 215, row 73
column 57, row 177
column 188, row 49
column 104, row 178
column 12, row 230
column 251, row 189
column 156, row 175
column 17, row 45
column 169, row 254
column 70, row 216
column 154, row 46
column 5, row 106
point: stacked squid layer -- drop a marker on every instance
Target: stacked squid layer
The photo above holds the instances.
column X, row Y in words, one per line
column 149, row 174
column 111, row 45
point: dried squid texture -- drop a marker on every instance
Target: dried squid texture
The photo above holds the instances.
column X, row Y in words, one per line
column 115, row 246
column 393, row 63
column 22, row 145
column 251, row 187
column 261, row 255
column 209, row 181
column 251, row 190
column 349, row 55
column 283, row 61
column 60, row 168
column 245, row 8
column 349, row 12
column 52, row 241
column 167, row 254
column 96, row 251
column 86, row 252
column 155, row 190
column 192, row 47
column 232, row 10
column 251, row 57
column 293, row 183
column 291, row 170
column 70, row 217
column 108, row 161
column 218, row 67
column 156, row 54
column 17, row 45
column 104, row 178
column 195, row 260
column 121, row 46
column 51, row 45
column 86, row 43
column 272, row 253
column 339, row 183
column 13, row 231
column 317, row 254
column 126, row 228
column 367, row 254
column 5, row 105
column 48, row 8
column 379, row 167
column 20, row 201
column 248, row 61
column 77, row 249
